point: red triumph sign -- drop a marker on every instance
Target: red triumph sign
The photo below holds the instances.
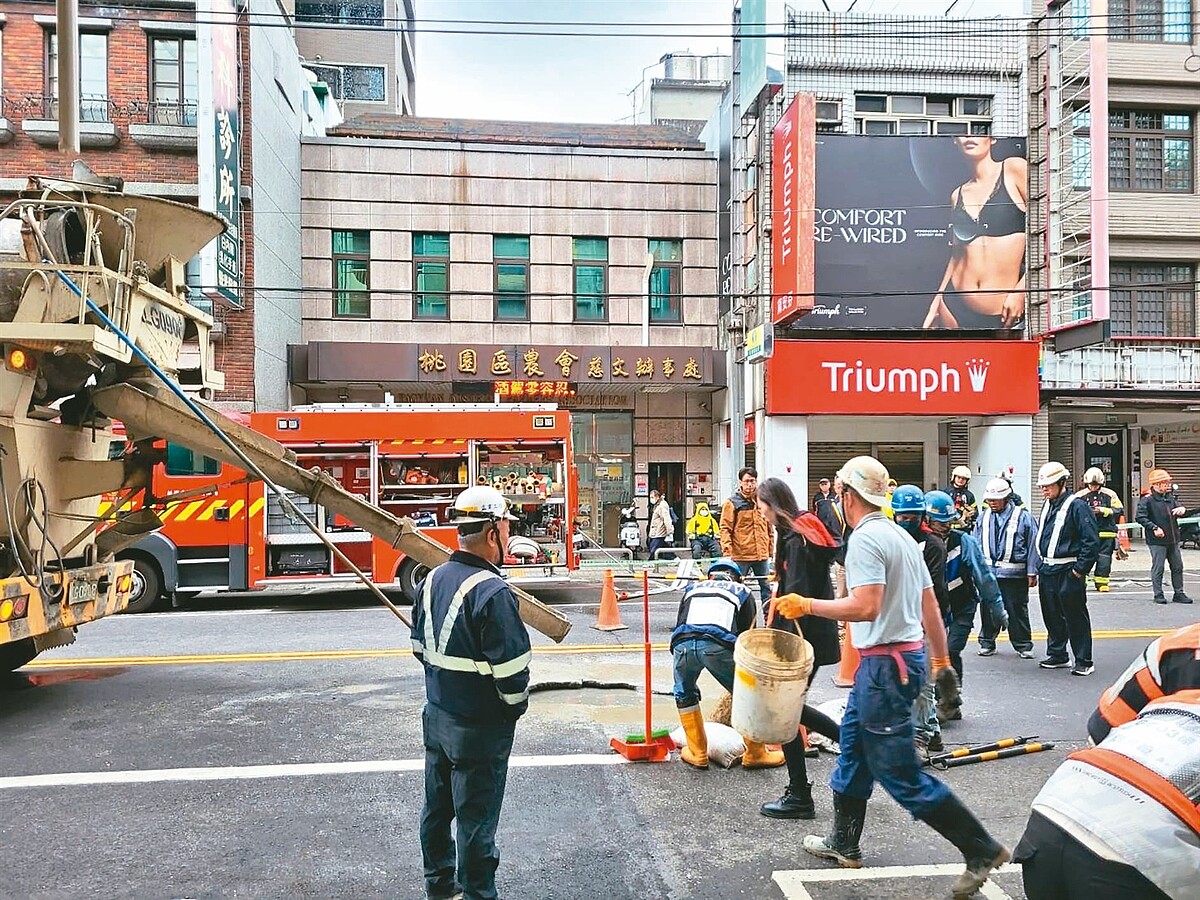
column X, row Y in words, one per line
column 955, row 378
column 794, row 197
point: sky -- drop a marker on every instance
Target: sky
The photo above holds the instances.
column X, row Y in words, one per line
column 553, row 78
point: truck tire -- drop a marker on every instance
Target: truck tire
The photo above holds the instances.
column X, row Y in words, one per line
column 147, row 594
column 409, row 577
column 16, row 654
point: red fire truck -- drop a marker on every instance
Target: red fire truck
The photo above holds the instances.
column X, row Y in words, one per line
column 223, row 532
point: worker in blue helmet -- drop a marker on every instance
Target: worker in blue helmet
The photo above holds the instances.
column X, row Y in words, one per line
column 711, row 615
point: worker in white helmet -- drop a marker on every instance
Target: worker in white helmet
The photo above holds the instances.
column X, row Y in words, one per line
column 1008, row 535
column 1106, row 506
column 1068, row 545
column 964, row 500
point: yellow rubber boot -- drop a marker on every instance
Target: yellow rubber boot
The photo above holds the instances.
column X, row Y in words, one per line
column 696, row 751
column 757, row 756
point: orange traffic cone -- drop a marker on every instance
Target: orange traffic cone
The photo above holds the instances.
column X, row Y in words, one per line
column 609, row 618
column 1123, row 537
column 849, row 662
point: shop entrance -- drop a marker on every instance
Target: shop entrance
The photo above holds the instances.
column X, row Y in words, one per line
column 1104, row 448
column 904, row 461
column 667, row 479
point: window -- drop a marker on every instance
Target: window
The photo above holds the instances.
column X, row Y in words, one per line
column 364, row 83
column 184, row 461
column 1150, row 151
column 665, row 279
column 93, row 76
column 1153, row 299
column 352, row 274
column 431, row 276
column 173, row 75
column 590, row 256
column 341, row 12
column 870, row 103
column 510, row 264
column 908, row 114
column 1166, row 21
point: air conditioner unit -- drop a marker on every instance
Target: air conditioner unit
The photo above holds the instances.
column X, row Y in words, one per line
column 829, row 112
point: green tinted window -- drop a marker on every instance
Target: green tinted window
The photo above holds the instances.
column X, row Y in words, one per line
column 431, row 244
column 432, row 281
column 590, row 248
column 184, row 461
column 352, row 242
column 507, row 246
column 667, row 251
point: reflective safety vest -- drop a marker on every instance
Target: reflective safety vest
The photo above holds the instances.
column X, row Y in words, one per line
column 1169, row 665
column 1106, row 506
column 1004, row 564
column 1051, row 557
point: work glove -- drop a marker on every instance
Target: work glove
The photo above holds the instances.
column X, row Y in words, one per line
column 793, row 606
column 945, row 680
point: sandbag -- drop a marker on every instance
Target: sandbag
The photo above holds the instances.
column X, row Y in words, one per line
column 725, row 746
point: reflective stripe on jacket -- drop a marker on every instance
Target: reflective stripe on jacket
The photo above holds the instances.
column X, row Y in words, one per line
column 1067, row 535
column 468, row 634
column 1106, row 506
column 1013, row 553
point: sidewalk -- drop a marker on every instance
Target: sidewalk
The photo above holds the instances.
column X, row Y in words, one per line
column 1138, row 562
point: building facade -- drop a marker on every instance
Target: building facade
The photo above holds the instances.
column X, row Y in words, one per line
column 880, row 103
column 685, row 92
column 458, row 260
column 140, row 85
column 366, row 52
column 1123, row 248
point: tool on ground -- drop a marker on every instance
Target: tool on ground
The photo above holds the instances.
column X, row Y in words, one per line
column 1002, row 749
column 635, row 747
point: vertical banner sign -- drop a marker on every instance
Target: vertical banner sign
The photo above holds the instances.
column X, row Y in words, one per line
column 793, row 177
column 218, row 136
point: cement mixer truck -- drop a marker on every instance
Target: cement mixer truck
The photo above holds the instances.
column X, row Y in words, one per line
column 96, row 331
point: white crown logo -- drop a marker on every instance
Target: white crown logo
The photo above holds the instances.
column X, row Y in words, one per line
column 977, row 371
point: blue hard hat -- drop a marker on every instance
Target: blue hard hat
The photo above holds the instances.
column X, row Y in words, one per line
column 939, row 506
column 908, row 499
column 725, row 564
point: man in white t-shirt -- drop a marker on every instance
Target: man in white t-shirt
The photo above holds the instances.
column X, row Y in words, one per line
column 890, row 607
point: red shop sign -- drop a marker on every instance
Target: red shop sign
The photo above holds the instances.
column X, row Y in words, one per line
column 793, row 175
column 956, row 378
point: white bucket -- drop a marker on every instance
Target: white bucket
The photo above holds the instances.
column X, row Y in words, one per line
column 769, row 684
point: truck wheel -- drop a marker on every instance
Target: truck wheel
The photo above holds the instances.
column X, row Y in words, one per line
column 16, row 654
column 410, row 576
column 147, row 594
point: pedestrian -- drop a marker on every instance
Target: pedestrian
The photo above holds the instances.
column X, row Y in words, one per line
column 475, row 652
column 1121, row 819
column 1008, row 535
column 1106, row 507
column 746, row 536
column 1068, row 544
column 702, row 532
column 969, row 582
column 1157, row 513
column 891, row 603
column 823, row 494
column 909, row 513
column 835, row 523
column 711, row 615
column 661, row 529
column 804, row 552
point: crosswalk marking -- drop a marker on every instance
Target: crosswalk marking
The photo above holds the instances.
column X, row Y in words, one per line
column 794, row 882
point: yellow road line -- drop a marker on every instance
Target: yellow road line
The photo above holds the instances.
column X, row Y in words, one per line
column 385, row 653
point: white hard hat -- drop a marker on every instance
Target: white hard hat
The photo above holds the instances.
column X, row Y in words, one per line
column 1052, row 473
column 523, row 547
column 480, row 504
column 868, row 477
column 997, row 489
column 1093, row 476
column 961, row 472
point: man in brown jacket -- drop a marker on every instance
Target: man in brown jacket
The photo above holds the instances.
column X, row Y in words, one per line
column 746, row 536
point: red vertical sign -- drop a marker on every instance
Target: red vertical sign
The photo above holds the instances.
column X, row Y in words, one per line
column 793, row 184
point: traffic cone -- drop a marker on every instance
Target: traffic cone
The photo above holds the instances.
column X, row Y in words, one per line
column 1123, row 537
column 609, row 618
column 849, row 661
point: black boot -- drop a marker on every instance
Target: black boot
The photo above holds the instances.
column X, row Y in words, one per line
column 982, row 852
column 796, row 803
column 841, row 844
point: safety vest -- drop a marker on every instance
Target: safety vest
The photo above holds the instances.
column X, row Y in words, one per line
column 1004, row 564
column 1050, row 557
column 1169, row 665
column 954, row 575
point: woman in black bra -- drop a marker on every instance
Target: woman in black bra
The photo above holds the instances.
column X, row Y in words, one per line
column 984, row 283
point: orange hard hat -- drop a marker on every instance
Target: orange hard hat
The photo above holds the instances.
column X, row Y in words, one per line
column 1157, row 475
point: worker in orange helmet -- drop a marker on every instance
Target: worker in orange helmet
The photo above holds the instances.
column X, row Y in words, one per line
column 1158, row 513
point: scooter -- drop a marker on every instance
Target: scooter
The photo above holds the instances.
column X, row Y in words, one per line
column 630, row 534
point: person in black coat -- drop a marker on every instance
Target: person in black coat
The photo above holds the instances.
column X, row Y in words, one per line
column 803, row 554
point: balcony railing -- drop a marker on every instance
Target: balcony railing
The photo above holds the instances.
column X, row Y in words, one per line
column 171, row 112
column 92, row 107
column 1165, row 366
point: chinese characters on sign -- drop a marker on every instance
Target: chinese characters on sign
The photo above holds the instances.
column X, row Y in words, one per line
column 219, row 136
column 595, row 364
column 532, row 389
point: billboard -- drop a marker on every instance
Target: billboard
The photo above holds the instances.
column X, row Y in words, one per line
column 792, row 211
column 920, row 233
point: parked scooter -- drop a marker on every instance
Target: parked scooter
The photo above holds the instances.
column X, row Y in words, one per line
column 630, row 533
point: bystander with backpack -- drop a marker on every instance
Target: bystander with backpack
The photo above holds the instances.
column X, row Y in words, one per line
column 746, row 536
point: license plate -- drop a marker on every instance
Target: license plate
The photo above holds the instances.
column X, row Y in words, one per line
column 82, row 591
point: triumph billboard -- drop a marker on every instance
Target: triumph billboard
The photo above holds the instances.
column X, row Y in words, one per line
column 919, row 233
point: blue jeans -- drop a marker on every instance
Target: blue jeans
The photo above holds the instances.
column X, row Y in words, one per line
column 924, row 715
column 758, row 567
column 693, row 656
column 877, row 737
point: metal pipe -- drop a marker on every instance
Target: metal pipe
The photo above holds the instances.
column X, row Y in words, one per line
column 67, row 35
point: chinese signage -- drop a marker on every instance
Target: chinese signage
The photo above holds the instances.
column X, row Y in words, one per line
column 533, row 389
column 916, row 232
column 219, row 145
column 792, row 216
column 960, row 378
column 760, row 343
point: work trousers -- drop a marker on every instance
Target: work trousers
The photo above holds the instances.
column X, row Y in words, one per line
column 1015, row 593
column 758, row 567
column 1108, row 546
column 466, row 767
column 1065, row 612
column 693, row 656
column 654, row 544
column 958, row 629
column 1055, row 866
column 876, row 737
column 1160, row 556
column 705, row 546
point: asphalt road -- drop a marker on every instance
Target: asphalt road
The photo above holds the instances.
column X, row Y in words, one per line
column 273, row 750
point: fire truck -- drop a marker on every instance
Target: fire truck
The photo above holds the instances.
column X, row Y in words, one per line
column 228, row 533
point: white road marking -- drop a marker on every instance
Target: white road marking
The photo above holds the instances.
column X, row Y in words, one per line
column 793, row 882
column 283, row 770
